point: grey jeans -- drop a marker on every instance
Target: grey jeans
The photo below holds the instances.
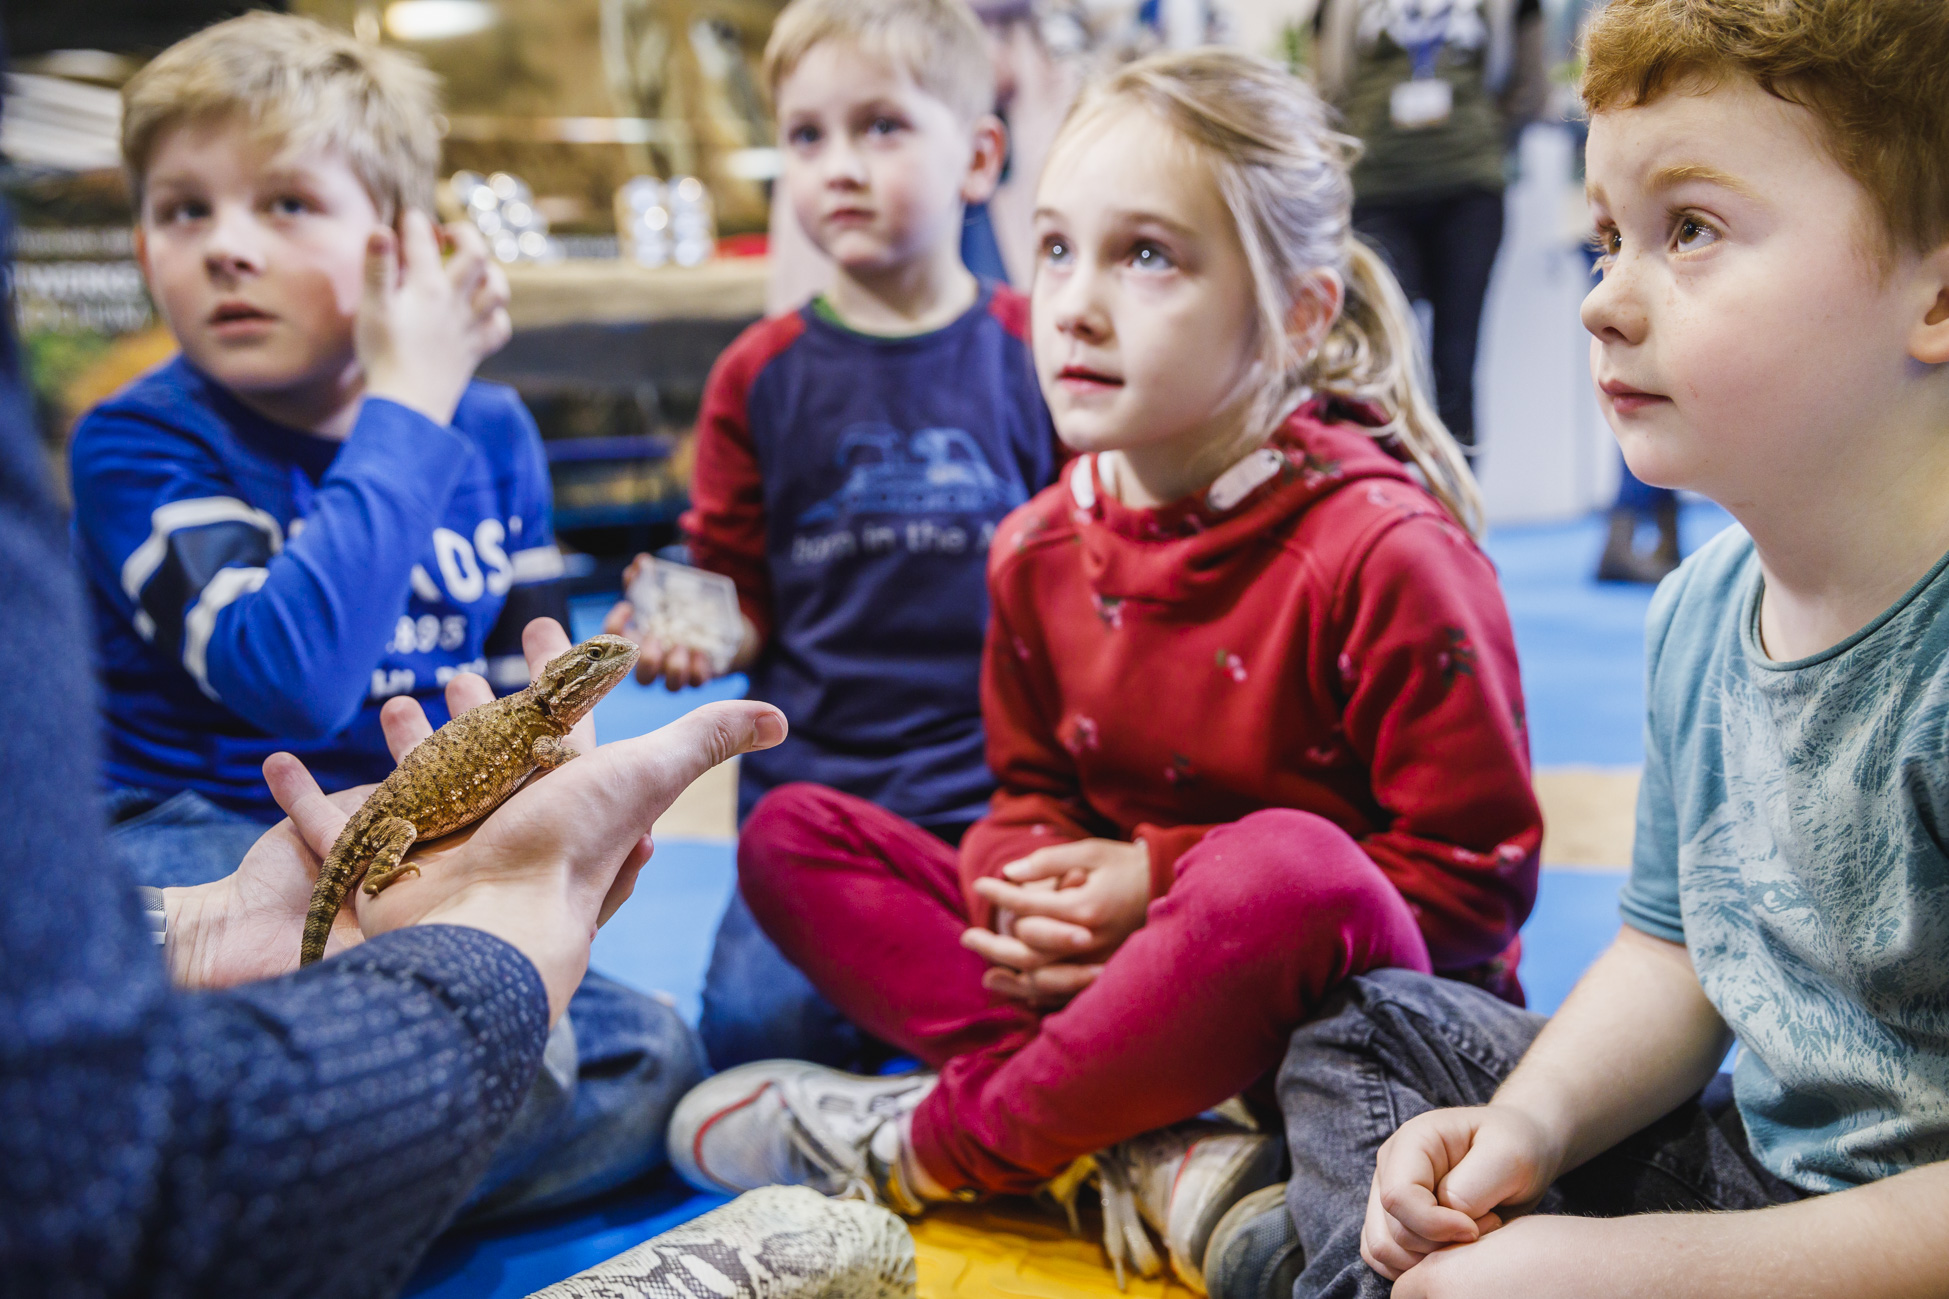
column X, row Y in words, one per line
column 1390, row 1045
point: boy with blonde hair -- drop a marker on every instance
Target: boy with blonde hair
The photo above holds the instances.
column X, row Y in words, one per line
column 315, row 508
column 854, row 457
column 1772, row 330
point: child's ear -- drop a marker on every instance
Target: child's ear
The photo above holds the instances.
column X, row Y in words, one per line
column 1928, row 342
column 985, row 166
column 139, row 241
column 1316, row 305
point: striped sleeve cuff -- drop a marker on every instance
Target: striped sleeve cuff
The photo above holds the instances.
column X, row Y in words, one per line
column 154, row 914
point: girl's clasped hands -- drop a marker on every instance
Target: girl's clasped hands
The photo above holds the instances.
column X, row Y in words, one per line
column 1059, row 913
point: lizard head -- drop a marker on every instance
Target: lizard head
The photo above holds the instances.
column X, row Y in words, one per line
column 570, row 684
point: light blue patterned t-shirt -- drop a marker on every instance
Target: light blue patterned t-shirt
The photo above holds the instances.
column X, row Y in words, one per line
column 1792, row 831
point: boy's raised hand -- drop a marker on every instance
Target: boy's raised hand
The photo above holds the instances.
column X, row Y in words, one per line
column 1450, row 1176
column 1067, row 908
column 423, row 327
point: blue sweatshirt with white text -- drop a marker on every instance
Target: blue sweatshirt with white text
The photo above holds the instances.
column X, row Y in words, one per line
column 257, row 587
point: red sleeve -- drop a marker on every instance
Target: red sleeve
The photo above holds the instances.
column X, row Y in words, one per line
column 1038, row 801
column 725, row 524
column 1434, row 708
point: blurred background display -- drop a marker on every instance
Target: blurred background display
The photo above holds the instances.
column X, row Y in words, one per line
column 619, row 156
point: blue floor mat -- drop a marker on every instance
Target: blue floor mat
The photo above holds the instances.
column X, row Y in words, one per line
column 1581, row 642
column 1582, row 649
column 519, row 1259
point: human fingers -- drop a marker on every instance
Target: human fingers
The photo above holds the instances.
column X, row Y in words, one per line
column 381, row 264
column 419, row 247
column 1056, row 937
column 404, row 724
column 1059, row 980
column 1071, row 905
column 1052, row 862
column 317, row 819
column 1410, row 1168
column 1505, row 1167
column 619, row 620
column 625, row 882
column 467, row 269
column 1389, row 1248
column 645, row 774
column 676, row 668
column 490, row 292
column 1004, row 949
column 494, row 333
column 467, row 690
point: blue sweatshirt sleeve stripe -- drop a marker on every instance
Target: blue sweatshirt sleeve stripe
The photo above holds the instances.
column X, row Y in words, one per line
column 252, row 613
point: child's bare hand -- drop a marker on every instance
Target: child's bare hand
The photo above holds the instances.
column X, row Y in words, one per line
column 1448, row 1177
column 1066, row 908
column 678, row 665
column 424, row 327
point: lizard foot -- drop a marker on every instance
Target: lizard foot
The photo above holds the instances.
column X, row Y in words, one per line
column 377, row 882
column 392, row 838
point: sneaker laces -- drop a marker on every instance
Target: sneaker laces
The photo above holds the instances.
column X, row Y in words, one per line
column 1125, row 1240
column 862, row 1177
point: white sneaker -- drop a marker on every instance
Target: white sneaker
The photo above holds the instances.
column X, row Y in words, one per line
column 789, row 1123
column 1181, row 1180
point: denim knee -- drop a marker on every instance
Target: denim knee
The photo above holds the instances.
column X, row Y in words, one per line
column 758, row 1006
column 180, row 840
column 1448, row 1042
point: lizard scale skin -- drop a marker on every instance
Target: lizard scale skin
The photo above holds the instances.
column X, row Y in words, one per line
column 462, row 772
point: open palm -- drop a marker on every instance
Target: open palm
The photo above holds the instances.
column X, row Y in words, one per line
column 586, row 823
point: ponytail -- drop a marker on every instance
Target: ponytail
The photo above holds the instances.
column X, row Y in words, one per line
column 1373, row 353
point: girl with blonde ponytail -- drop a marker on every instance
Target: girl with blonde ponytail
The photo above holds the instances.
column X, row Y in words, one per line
column 1250, row 697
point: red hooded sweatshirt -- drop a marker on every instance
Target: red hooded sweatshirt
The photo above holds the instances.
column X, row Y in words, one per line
column 1313, row 631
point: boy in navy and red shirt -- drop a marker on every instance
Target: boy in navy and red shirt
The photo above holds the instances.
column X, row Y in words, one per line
column 854, row 458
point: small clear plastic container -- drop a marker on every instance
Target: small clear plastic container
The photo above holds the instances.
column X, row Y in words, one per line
column 679, row 605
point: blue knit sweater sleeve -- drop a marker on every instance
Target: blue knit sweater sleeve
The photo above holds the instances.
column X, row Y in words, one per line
column 305, row 1136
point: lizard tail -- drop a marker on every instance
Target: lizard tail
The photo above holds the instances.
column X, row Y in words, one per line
column 326, row 896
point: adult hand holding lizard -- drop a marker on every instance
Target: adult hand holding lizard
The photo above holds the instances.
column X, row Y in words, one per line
column 541, row 872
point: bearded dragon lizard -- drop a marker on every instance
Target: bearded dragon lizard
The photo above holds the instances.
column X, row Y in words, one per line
column 459, row 774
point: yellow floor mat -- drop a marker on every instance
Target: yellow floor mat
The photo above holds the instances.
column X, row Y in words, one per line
column 1015, row 1248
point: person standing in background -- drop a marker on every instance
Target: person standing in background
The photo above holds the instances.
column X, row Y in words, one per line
column 1637, row 501
column 1435, row 90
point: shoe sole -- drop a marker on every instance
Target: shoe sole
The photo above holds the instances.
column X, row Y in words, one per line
column 1252, row 1254
column 1257, row 1167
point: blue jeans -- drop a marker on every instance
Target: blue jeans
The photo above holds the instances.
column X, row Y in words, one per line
column 174, row 840
column 1390, row 1045
column 757, row 1006
column 614, row 1068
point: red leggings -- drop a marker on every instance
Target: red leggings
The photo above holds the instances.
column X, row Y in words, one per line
column 1265, row 916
